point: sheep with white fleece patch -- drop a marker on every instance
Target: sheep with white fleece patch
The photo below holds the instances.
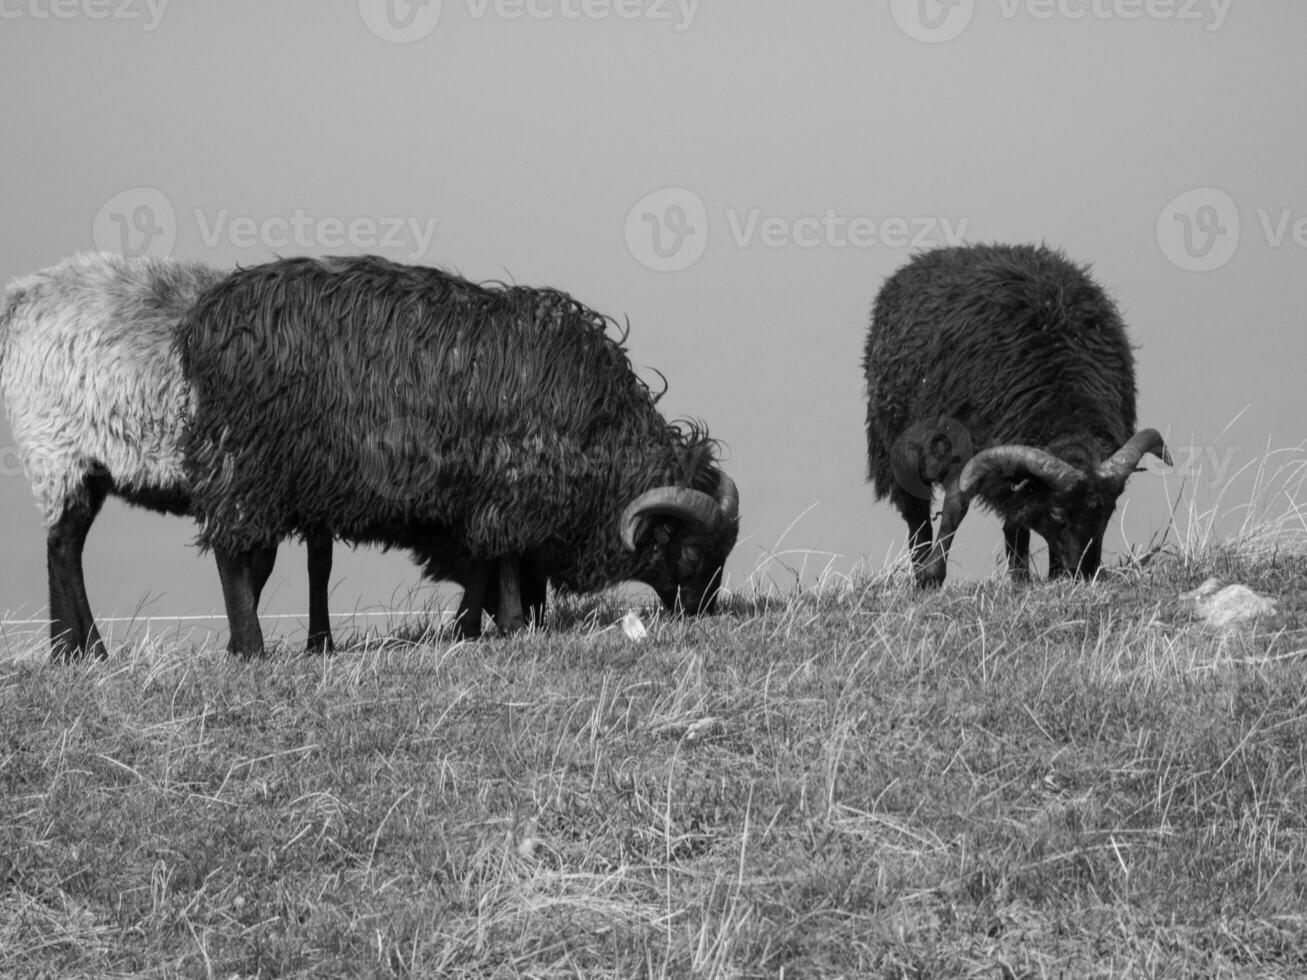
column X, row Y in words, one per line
column 97, row 403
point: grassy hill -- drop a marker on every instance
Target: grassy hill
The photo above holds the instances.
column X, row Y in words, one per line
column 861, row 780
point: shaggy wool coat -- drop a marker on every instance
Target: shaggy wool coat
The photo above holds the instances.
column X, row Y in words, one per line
column 91, row 380
column 391, row 403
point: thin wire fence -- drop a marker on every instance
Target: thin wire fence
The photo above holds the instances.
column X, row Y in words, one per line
column 221, row 617
column 24, row 637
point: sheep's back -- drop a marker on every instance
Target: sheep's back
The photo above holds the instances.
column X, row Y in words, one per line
column 373, row 398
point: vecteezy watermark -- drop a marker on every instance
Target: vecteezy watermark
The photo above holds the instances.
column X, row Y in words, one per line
column 400, row 21
column 932, row 21
column 667, row 231
column 1205, row 466
column 11, row 461
column 835, row 230
column 1200, row 230
column 148, row 12
column 679, row 13
column 935, row 21
column 405, row 21
column 301, row 230
column 398, row 460
column 143, row 221
column 139, row 221
column 407, row 458
column 1210, row 13
column 927, row 451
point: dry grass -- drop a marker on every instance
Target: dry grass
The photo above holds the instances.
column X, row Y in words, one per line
column 1075, row 780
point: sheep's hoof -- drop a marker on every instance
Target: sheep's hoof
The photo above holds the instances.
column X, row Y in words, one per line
column 464, row 629
column 251, row 653
column 931, row 577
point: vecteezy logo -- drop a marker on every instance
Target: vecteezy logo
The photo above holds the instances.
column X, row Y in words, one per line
column 667, row 231
column 136, row 222
column 932, row 21
column 398, row 460
column 928, row 452
column 1198, row 231
column 400, row 21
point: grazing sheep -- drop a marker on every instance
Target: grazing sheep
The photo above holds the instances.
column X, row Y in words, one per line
column 97, row 403
column 1002, row 372
column 523, row 430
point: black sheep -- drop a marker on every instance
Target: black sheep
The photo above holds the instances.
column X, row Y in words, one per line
column 405, row 406
column 1002, row 372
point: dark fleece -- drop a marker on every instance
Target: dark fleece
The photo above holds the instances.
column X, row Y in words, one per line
column 404, row 405
column 1010, row 344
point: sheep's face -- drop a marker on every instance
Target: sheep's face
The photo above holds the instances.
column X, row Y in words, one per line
column 1073, row 522
column 684, row 564
column 680, row 538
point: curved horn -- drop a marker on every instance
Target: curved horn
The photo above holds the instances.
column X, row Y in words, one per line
column 692, row 506
column 1118, row 467
column 1018, row 460
column 728, row 498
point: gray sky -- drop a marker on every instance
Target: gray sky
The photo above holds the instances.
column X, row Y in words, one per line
column 788, row 156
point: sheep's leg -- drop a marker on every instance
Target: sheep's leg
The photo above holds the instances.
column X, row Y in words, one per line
column 499, row 585
column 955, row 509
column 1055, row 567
column 467, row 621
column 535, row 586
column 97, row 489
column 508, row 611
column 917, row 514
column 262, row 561
column 1016, row 542
column 67, row 639
column 236, row 570
column 320, row 640
column 490, row 596
column 72, row 626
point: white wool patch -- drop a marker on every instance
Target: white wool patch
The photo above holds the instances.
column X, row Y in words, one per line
column 89, row 376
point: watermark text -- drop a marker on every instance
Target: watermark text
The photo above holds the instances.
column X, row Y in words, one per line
column 938, row 21
column 148, row 12
column 1200, row 230
column 406, row 21
column 668, row 230
column 142, row 221
column 302, row 230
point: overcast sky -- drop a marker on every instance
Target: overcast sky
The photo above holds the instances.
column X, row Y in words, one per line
column 736, row 177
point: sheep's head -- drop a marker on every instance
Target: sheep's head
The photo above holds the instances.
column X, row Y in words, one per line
column 1069, row 507
column 683, row 538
